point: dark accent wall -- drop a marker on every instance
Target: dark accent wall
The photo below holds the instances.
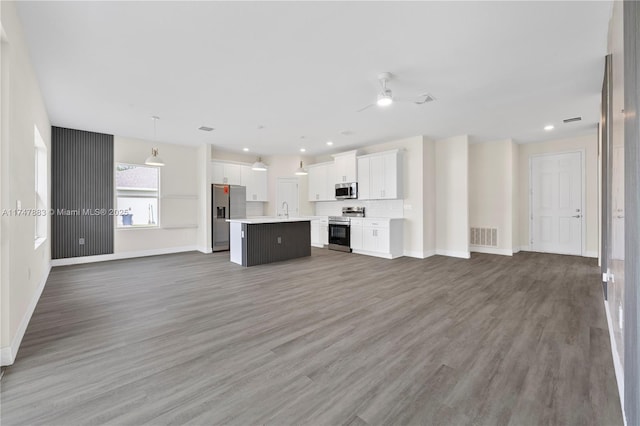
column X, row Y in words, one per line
column 631, row 30
column 606, row 141
column 81, row 193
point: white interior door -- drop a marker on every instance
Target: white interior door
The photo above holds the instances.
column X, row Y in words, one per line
column 287, row 192
column 556, row 203
column 617, row 203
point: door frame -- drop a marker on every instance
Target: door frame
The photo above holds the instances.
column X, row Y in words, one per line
column 287, row 179
column 582, row 152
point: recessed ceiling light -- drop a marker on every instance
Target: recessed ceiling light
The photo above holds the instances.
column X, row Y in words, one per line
column 346, row 132
column 329, row 143
column 205, row 128
column 245, row 149
column 548, row 127
column 302, row 150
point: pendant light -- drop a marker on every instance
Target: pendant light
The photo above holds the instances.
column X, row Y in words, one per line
column 259, row 166
column 300, row 171
column 153, row 159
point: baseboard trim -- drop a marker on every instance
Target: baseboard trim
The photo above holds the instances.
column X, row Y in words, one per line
column 593, row 254
column 419, row 254
column 8, row 354
column 454, row 253
column 205, row 250
column 617, row 366
column 122, row 255
column 490, row 250
column 376, row 254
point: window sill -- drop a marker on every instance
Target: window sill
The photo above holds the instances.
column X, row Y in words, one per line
column 39, row 242
column 130, row 228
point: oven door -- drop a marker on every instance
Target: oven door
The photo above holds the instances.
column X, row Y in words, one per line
column 340, row 237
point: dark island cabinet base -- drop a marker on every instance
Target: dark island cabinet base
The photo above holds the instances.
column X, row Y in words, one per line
column 273, row 242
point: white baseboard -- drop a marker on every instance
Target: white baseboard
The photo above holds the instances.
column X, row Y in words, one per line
column 491, row 250
column 205, row 250
column 617, row 366
column 419, row 254
column 122, row 255
column 376, row 254
column 516, row 250
column 593, row 254
column 454, row 253
column 524, row 248
column 8, row 354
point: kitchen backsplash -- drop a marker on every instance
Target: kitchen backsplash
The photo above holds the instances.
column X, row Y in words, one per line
column 255, row 208
column 373, row 208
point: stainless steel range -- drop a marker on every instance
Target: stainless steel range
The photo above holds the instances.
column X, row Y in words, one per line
column 340, row 228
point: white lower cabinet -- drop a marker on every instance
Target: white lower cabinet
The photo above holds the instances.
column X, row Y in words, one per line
column 320, row 232
column 377, row 237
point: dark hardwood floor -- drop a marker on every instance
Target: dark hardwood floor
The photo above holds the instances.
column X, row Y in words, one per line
column 331, row 339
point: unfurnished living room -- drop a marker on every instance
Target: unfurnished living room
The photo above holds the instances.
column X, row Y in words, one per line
column 319, row 213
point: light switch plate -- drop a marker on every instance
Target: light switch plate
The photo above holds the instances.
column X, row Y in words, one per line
column 19, row 205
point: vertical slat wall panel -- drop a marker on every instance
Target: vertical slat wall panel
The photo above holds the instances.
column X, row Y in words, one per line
column 261, row 242
column 631, row 29
column 81, row 183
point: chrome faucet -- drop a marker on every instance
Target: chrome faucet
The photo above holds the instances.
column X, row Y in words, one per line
column 285, row 204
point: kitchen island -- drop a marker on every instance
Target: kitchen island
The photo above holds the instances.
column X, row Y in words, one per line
column 261, row 240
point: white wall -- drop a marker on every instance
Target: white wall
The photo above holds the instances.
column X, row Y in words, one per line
column 491, row 191
column 452, row 196
column 23, row 269
column 588, row 143
column 180, row 198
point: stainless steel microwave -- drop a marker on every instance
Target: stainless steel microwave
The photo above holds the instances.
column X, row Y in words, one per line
column 345, row 191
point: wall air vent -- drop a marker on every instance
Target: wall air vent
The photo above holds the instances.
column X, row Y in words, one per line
column 571, row 120
column 487, row 237
column 205, row 128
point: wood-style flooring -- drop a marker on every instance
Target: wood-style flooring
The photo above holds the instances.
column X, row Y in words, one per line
column 329, row 339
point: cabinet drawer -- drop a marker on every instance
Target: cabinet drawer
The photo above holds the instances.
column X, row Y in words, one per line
column 357, row 222
column 376, row 223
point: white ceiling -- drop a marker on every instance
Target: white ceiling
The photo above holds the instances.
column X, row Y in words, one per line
column 497, row 69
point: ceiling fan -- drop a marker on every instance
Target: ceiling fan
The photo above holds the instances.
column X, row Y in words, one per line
column 386, row 98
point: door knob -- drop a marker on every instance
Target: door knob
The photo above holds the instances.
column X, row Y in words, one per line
column 578, row 216
column 620, row 216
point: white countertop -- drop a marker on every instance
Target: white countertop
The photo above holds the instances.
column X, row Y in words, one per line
column 269, row 219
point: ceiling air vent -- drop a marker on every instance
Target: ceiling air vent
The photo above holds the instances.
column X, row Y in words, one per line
column 571, row 120
column 205, row 128
column 425, row 98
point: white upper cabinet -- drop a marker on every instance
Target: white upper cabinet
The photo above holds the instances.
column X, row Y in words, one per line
column 317, row 182
column 345, row 167
column 255, row 182
column 321, row 185
column 380, row 176
column 226, row 173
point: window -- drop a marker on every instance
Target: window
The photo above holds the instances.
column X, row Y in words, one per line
column 137, row 192
column 41, row 186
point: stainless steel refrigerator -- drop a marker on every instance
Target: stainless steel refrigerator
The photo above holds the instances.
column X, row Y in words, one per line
column 227, row 202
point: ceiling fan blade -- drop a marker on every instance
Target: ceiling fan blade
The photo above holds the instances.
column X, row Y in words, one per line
column 367, row 107
column 418, row 100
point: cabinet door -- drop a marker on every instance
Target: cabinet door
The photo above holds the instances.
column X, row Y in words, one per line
column 315, row 232
column 217, row 172
column 339, row 170
column 317, row 183
column 260, row 185
column 390, row 184
column 330, row 183
column 246, row 180
column 376, row 172
column 357, row 239
column 364, row 179
column 369, row 241
column 232, row 174
column 324, row 233
column 382, row 240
